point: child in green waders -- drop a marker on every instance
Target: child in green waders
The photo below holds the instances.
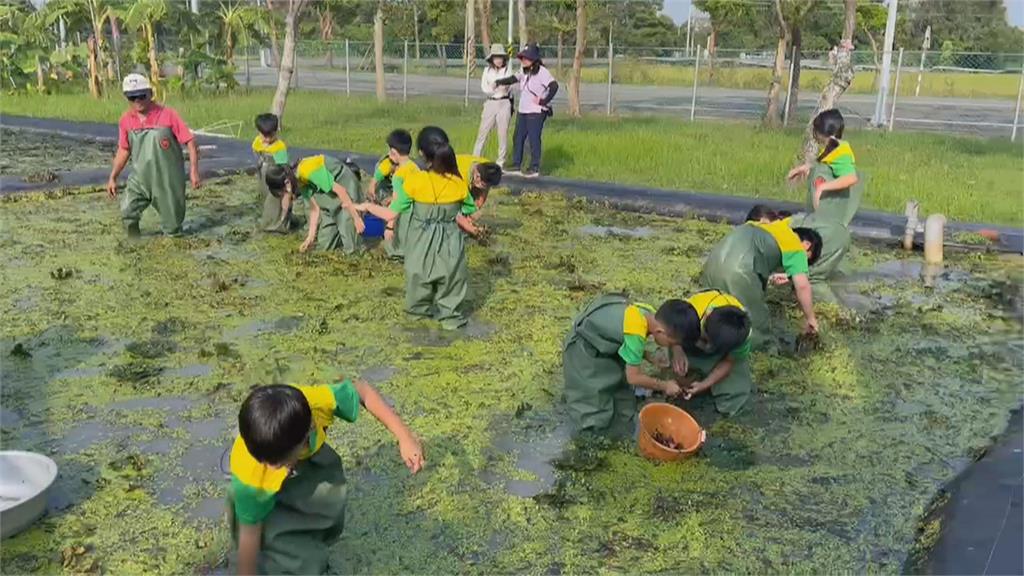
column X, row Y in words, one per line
column 438, row 202
column 288, row 491
column 602, row 357
column 719, row 357
column 272, row 152
column 396, row 166
column 333, row 190
column 834, row 189
column 743, row 262
column 481, row 174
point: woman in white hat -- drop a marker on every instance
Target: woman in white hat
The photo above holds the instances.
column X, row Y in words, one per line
column 498, row 107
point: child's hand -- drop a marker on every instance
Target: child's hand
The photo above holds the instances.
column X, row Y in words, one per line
column 360, row 226
column 693, row 389
column 680, row 363
column 671, row 388
column 412, row 453
column 800, row 171
column 305, row 246
column 389, row 234
column 778, row 279
column 811, row 326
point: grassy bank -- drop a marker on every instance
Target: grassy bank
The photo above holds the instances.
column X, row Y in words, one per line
column 966, row 179
column 127, row 361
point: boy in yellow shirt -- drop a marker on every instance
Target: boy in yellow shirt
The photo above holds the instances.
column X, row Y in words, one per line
column 271, row 158
column 288, row 493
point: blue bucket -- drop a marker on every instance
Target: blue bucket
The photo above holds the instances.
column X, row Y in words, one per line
column 374, row 226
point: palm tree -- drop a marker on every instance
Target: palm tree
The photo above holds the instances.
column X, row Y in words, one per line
column 97, row 13
column 143, row 17
column 236, row 21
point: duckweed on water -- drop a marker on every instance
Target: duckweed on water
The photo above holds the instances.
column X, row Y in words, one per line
column 828, row 470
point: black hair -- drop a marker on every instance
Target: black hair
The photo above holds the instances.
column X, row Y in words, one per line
column 401, row 141
column 267, row 123
column 812, row 236
column 760, row 211
column 277, row 175
column 490, row 173
column 829, row 124
column 273, row 422
column 782, row 214
column 437, row 150
column 727, row 328
column 680, row 319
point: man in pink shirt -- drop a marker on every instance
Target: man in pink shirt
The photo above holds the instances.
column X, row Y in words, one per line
column 151, row 136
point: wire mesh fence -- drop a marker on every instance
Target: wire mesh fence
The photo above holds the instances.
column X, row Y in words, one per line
column 971, row 93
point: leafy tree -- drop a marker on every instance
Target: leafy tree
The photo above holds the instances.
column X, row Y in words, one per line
column 976, row 26
column 143, row 17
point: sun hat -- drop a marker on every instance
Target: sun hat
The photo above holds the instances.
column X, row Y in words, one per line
column 531, row 52
column 135, row 84
column 497, row 50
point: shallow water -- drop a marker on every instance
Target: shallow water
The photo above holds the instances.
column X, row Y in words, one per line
column 140, row 432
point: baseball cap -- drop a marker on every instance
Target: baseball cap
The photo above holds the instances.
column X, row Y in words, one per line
column 135, row 84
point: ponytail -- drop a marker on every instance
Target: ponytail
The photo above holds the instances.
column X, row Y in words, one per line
column 437, row 150
column 829, row 124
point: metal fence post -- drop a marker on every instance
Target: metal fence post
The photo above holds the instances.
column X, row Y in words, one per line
column 248, row 81
column 611, row 56
column 348, row 81
column 696, row 74
column 789, row 88
column 405, row 72
column 465, row 101
column 924, row 55
column 895, row 90
column 1016, row 112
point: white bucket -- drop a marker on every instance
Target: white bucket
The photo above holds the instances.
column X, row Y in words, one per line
column 25, row 478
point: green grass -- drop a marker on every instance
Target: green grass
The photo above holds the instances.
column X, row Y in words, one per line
column 963, row 178
column 933, row 84
column 827, row 471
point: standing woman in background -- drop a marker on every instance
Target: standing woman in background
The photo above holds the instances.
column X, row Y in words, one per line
column 537, row 87
column 498, row 108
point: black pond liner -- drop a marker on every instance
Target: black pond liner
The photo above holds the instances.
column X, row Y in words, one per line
column 231, row 155
column 980, row 514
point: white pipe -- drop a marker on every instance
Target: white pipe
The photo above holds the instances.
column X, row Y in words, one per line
column 933, row 236
column 1016, row 112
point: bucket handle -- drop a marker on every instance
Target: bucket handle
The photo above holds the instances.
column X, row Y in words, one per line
column 703, row 436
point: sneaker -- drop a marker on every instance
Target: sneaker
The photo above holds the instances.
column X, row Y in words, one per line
column 512, row 172
column 531, row 174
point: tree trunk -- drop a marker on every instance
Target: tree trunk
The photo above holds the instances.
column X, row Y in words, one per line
column 470, row 49
column 794, row 95
column 115, row 36
column 577, row 59
column 485, row 23
column 154, row 63
column 416, row 28
column 841, row 59
column 773, row 111
column 712, row 48
column 275, row 49
column 378, row 50
column 94, row 73
column 40, row 76
column 284, row 74
column 229, row 48
column 524, row 36
column 874, row 57
column 327, row 35
column 442, row 55
column 558, row 58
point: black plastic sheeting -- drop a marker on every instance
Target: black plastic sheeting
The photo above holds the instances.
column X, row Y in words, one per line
column 226, row 155
column 982, row 522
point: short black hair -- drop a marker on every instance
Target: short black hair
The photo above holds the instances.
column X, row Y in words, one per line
column 812, row 236
column 727, row 328
column 267, row 123
column 782, row 214
column 490, row 173
column 680, row 319
column 273, row 422
column 760, row 211
column 276, row 175
column 401, row 141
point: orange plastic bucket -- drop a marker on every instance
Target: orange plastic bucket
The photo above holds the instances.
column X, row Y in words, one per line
column 671, row 423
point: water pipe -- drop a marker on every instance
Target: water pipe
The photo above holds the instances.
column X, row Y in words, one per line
column 933, row 235
column 913, row 223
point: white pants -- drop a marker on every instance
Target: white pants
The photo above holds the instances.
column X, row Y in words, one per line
column 496, row 112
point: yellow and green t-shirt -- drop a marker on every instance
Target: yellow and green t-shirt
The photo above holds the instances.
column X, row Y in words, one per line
column 386, row 169
column 794, row 257
column 841, row 160
column 313, row 176
column 465, row 163
column 428, row 187
column 634, row 333
column 254, row 484
column 706, row 301
column 276, row 150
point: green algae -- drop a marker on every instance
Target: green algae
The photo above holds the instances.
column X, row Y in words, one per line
column 828, row 470
column 40, row 157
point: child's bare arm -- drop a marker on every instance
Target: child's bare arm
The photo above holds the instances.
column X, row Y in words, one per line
column 718, row 373
column 382, row 212
column 635, row 377
column 314, row 224
column 249, row 536
column 408, row 444
column 350, row 207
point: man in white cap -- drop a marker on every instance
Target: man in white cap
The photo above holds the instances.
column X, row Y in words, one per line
column 151, row 136
column 498, row 108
